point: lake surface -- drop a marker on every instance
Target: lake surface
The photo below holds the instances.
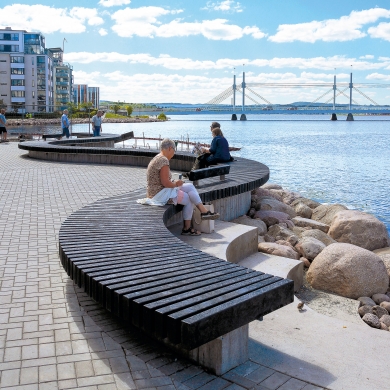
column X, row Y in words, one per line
column 331, row 162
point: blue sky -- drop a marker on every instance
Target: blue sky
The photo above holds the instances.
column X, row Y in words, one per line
column 187, row 51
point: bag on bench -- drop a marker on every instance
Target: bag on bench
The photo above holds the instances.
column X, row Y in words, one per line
column 204, row 226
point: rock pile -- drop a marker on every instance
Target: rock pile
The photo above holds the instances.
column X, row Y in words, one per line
column 347, row 252
column 57, row 121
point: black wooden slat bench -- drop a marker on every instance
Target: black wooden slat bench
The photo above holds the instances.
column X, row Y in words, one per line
column 122, row 254
column 205, row 173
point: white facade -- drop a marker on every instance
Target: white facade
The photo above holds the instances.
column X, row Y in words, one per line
column 30, row 73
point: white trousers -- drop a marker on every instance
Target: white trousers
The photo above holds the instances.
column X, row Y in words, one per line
column 188, row 197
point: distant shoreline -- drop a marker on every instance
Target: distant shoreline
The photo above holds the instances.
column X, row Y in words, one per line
column 57, row 121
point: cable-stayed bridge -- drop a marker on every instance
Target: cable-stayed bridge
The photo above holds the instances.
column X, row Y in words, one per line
column 327, row 103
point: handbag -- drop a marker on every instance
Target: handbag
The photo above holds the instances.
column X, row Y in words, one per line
column 204, row 226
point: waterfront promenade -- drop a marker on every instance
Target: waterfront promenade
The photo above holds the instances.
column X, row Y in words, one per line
column 53, row 336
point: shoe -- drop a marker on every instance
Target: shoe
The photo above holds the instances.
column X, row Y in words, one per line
column 209, row 215
column 190, row 232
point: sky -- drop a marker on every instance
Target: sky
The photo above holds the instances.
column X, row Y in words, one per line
column 160, row 51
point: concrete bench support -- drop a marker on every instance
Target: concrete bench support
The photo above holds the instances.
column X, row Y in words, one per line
column 224, row 353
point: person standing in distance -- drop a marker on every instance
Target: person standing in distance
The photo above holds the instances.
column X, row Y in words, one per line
column 97, row 123
column 3, row 130
column 65, row 124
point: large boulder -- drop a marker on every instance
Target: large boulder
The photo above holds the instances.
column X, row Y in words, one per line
column 326, row 212
column 282, row 233
column 278, row 250
column 272, row 217
column 349, row 271
column 267, row 193
column 358, row 228
column 302, row 210
column 272, row 186
column 268, row 203
column 305, row 222
column 244, row 220
column 309, row 247
column 319, row 235
column 384, row 254
column 308, row 202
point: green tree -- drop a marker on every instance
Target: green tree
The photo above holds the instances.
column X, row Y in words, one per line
column 162, row 117
column 72, row 108
column 116, row 108
column 129, row 110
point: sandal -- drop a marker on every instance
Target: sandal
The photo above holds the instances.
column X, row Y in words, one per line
column 209, row 215
column 190, row 232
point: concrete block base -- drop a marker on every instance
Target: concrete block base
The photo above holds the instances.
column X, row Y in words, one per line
column 223, row 353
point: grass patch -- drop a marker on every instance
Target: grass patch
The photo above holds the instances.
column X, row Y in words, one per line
column 111, row 115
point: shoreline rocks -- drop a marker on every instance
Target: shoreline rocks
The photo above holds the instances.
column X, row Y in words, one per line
column 346, row 252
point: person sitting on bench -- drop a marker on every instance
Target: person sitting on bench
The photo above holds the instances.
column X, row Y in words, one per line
column 161, row 189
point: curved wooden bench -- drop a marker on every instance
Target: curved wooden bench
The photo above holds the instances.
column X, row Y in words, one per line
column 122, row 254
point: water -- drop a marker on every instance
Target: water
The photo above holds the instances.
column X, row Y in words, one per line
column 331, row 162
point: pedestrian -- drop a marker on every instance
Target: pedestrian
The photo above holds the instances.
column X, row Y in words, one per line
column 97, row 123
column 65, row 124
column 3, row 130
column 214, row 125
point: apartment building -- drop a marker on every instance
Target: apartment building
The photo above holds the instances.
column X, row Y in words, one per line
column 83, row 94
column 32, row 78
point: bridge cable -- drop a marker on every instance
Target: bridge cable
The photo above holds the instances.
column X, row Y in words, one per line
column 342, row 92
column 267, row 101
column 315, row 101
column 216, row 98
column 363, row 94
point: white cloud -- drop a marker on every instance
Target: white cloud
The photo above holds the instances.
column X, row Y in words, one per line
column 144, row 22
column 48, row 19
column 103, row 32
column 367, row 57
column 346, row 28
column 382, row 30
column 159, row 87
column 224, row 6
column 113, row 3
column 378, row 76
column 168, row 62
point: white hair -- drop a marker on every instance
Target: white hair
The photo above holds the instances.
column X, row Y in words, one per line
column 167, row 143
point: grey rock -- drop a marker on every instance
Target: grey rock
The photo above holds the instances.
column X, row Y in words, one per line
column 319, row 235
column 379, row 311
column 386, row 305
column 290, row 197
column 272, row 217
column 282, row 233
column 244, row 220
column 349, row 271
column 367, row 301
column 269, row 238
column 302, row 210
column 305, row 222
column 260, row 239
column 278, row 250
column 299, row 230
column 364, row 310
column 379, row 298
column 358, row 228
column 290, row 224
column 274, row 205
column 305, row 261
column 384, row 254
column 309, row 247
column 372, row 320
column 384, row 327
column 266, row 192
column 271, row 186
column 308, row 202
column 326, row 212
column 385, row 319
column 251, row 212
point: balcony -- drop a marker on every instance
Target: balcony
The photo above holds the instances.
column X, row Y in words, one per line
column 62, row 83
column 62, row 92
column 62, row 74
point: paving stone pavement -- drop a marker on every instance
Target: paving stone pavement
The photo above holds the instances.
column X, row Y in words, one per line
column 52, row 335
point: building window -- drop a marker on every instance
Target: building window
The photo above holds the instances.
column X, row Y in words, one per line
column 17, row 70
column 32, row 70
column 17, row 94
column 17, row 59
column 3, row 94
column 17, row 83
column 33, row 94
column 32, row 61
column 3, row 71
column 3, row 60
column 9, row 37
column 9, row 48
column 33, row 83
column 3, row 83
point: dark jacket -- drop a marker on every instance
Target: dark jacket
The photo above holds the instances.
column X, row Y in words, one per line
column 219, row 149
